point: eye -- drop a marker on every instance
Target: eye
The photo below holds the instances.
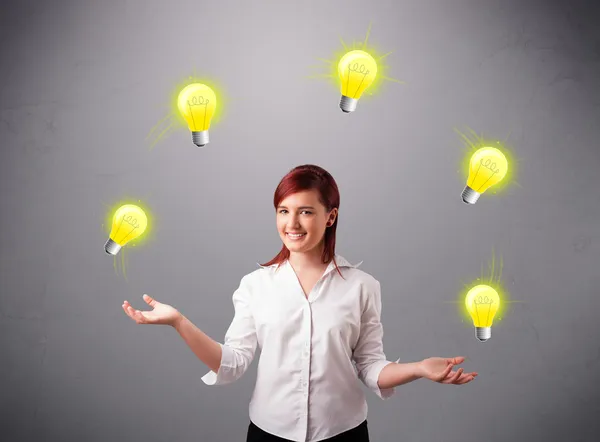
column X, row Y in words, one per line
column 304, row 211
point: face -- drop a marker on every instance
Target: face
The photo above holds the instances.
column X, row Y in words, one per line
column 303, row 213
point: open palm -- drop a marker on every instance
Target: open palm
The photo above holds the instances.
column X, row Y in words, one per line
column 160, row 313
column 440, row 370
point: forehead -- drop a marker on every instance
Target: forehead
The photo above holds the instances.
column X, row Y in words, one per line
column 303, row 198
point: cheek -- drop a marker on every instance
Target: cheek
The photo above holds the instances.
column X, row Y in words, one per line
column 315, row 227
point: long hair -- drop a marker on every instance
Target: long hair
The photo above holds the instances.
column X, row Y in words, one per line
column 309, row 177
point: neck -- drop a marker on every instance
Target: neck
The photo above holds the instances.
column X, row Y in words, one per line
column 311, row 260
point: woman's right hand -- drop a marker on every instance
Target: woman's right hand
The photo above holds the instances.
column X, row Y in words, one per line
column 161, row 313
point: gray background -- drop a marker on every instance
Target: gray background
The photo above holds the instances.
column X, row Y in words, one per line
column 82, row 83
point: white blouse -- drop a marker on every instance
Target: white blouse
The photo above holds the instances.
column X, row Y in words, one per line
column 313, row 350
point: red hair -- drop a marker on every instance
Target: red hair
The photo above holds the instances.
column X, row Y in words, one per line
column 309, row 177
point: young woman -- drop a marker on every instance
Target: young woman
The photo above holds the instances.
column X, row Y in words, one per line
column 316, row 319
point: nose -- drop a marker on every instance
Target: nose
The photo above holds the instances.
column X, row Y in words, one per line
column 294, row 221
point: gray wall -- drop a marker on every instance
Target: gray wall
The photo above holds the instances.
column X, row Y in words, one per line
column 82, row 84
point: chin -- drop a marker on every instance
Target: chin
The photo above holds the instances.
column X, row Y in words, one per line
column 292, row 247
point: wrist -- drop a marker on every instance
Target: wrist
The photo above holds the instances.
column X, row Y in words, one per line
column 177, row 321
column 418, row 369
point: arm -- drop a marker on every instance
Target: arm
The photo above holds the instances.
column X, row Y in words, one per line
column 239, row 347
column 368, row 355
column 205, row 348
column 395, row 374
column 434, row 369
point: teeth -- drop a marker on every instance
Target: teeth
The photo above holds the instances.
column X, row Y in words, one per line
column 295, row 236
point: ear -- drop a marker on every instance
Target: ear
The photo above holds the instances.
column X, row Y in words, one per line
column 332, row 217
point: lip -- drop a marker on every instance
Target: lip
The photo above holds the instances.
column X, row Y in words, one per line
column 297, row 238
column 295, row 233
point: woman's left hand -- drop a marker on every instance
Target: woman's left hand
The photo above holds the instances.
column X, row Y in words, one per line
column 440, row 370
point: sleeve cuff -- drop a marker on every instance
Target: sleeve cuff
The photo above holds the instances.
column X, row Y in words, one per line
column 375, row 370
column 224, row 375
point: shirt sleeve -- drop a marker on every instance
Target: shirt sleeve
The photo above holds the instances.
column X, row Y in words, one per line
column 239, row 346
column 368, row 354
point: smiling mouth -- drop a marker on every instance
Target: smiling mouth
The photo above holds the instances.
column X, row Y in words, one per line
column 295, row 237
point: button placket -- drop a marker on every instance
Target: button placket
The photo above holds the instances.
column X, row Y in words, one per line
column 305, row 360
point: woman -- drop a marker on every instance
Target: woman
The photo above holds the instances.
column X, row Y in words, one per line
column 316, row 319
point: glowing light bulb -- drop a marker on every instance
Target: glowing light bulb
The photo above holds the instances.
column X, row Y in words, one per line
column 482, row 303
column 357, row 70
column 197, row 103
column 129, row 222
column 487, row 167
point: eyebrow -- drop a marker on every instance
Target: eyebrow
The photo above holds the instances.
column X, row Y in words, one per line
column 301, row 207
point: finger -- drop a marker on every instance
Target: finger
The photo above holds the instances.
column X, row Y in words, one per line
column 453, row 377
column 141, row 317
column 472, row 375
column 457, row 360
column 126, row 309
column 137, row 315
column 445, row 373
column 458, row 374
column 151, row 302
column 129, row 310
column 464, row 379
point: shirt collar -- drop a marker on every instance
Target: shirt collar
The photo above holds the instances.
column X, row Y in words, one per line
column 339, row 259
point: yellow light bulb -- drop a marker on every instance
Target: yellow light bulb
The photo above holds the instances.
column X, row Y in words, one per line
column 197, row 103
column 357, row 71
column 129, row 222
column 482, row 303
column 487, row 167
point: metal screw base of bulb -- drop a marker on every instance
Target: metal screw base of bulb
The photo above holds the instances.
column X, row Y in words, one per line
column 348, row 104
column 483, row 333
column 470, row 196
column 111, row 247
column 200, row 138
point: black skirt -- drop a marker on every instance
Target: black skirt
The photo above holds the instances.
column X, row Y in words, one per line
column 356, row 434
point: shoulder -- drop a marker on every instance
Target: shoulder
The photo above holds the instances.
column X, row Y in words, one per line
column 361, row 277
column 259, row 276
